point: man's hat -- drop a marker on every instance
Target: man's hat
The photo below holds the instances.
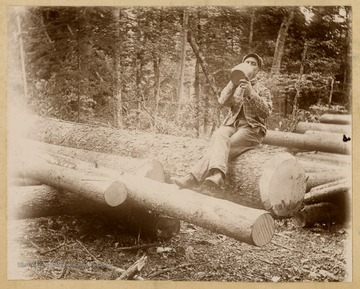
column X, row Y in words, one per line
column 256, row 56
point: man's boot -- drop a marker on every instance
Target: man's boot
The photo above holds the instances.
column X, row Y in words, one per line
column 187, row 181
column 215, row 180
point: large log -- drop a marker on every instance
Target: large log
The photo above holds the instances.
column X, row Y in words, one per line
column 322, row 213
column 43, row 201
column 324, row 177
column 306, row 142
column 179, row 154
column 247, row 182
column 335, row 118
column 253, row 226
column 326, row 158
column 328, row 192
column 302, row 127
column 88, row 184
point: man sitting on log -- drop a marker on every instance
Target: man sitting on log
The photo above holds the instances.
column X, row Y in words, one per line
column 243, row 129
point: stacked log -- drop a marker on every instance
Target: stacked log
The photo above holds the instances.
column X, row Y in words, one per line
column 328, row 191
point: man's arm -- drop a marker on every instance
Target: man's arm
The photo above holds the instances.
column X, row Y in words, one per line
column 226, row 95
column 261, row 101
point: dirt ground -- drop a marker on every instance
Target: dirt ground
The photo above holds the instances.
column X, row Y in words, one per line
column 90, row 247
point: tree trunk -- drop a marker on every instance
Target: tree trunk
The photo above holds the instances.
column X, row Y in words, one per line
column 118, row 71
column 182, row 61
column 327, row 192
column 253, row 226
column 321, row 178
column 323, row 213
column 336, row 118
column 197, row 78
column 280, row 42
column 298, row 84
column 178, row 155
column 331, row 90
column 302, row 127
column 251, row 31
column 22, row 56
column 205, row 68
column 305, row 142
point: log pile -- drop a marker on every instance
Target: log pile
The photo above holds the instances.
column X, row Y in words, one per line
column 328, row 190
column 125, row 175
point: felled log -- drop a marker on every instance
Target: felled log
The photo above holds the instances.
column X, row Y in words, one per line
column 179, row 154
column 326, row 158
column 322, row 213
column 306, row 142
column 88, row 184
column 245, row 224
column 44, row 201
column 23, row 182
column 302, row 127
column 327, row 192
column 314, row 166
column 325, row 134
column 324, row 177
column 335, row 118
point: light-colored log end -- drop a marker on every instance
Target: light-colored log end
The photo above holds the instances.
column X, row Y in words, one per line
column 153, row 170
column 263, row 230
column 283, row 185
column 115, row 194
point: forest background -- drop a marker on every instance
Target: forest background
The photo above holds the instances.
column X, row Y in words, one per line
column 161, row 68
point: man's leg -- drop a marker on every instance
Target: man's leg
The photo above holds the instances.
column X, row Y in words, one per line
column 216, row 157
column 246, row 138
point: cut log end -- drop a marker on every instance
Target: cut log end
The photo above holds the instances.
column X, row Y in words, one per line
column 263, row 230
column 115, row 194
column 321, row 213
column 283, row 185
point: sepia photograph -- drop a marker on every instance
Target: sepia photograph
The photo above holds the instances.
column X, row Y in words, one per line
column 180, row 143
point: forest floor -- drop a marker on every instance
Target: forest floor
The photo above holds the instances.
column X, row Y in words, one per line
column 72, row 247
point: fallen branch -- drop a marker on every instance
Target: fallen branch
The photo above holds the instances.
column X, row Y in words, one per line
column 134, row 269
column 159, row 272
column 105, row 265
column 139, row 247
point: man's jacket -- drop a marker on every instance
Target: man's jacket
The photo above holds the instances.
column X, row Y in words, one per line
column 256, row 108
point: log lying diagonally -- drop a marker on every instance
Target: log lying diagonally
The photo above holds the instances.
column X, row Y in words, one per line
column 245, row 224
column 179, row 154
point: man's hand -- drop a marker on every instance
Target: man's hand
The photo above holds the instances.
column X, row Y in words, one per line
column 246, row 86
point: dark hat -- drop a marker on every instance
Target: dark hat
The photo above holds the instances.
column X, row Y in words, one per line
column 256, row 56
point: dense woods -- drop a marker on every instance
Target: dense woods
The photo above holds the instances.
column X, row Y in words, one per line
column 161, row 68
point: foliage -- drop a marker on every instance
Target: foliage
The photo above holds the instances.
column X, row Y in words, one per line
column 89, row 63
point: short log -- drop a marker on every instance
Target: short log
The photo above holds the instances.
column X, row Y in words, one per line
column 335, row 118
column 322, row 213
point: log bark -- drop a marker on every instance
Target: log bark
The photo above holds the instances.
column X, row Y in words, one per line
column 335, row 118
column 313, row 166
column 323, row 213
column 326, row 158
column 89, row 184
column 179, row 154
column 302, row 127
column 328, row 192
column 325, row 177
column 324, row 134
column 244, row 224
column 305, row 142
